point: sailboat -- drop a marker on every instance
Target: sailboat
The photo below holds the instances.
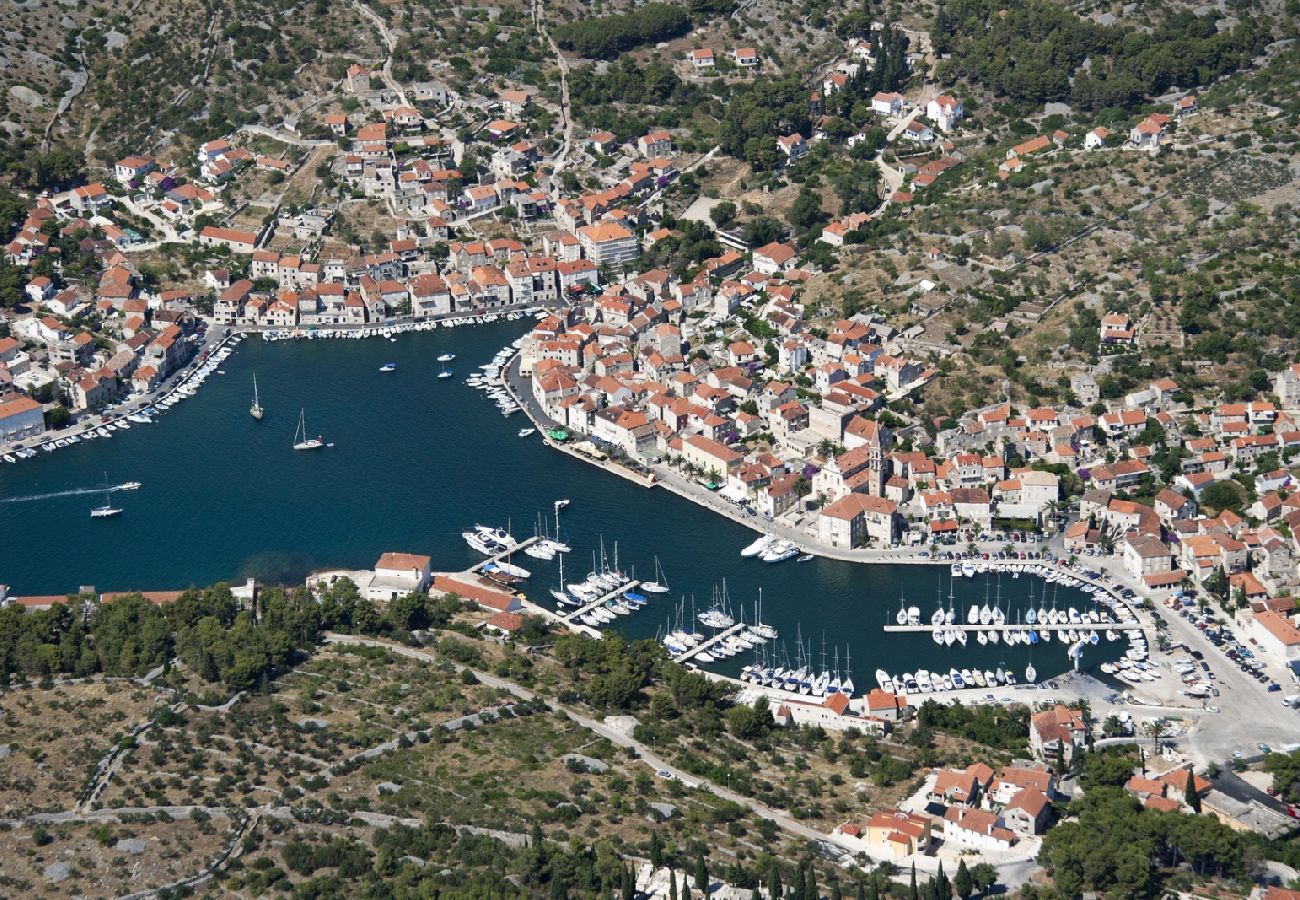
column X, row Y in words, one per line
column 256, row 410
column 300, row 439
column 108, row 509
column 563, row 597
column 658, row 586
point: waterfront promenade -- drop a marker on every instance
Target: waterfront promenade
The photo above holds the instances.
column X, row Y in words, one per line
column 663, row 476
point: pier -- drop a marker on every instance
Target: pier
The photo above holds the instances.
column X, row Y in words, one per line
column 711, row 642
column 1065, row 626
column 599, row 601
column 504, row 554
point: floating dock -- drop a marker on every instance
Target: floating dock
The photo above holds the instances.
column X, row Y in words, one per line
column 1067, row 626
column 600, row 601
column 711, row 642
column 517, row 548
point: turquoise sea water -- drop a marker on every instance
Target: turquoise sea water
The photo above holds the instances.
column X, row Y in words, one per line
column 416, row 460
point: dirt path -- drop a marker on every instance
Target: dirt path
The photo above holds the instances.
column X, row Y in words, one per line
column 386, row 71
column 562, row 159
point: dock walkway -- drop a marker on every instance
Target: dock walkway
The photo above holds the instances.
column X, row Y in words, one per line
column 517, row 548
column 600, row 601
column 1066, row 626
column 711, row 642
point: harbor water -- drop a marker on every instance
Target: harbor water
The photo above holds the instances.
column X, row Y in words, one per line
column 415, row 460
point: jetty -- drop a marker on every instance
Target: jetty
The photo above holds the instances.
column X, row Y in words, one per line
column 599, row 601
column 497, row 557
column 711, row 642
column 1060, row 626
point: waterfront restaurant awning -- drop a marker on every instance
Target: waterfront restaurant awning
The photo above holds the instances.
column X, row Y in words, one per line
column 733, row 492
column 943, row 526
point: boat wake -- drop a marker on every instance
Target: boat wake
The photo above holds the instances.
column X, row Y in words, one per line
column 71, row 492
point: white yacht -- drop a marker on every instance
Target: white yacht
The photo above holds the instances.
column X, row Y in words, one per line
column 759, row 546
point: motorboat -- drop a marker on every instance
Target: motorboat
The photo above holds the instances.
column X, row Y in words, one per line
column 759, row 546
column 480, row 543
column 780, row 552
column 388, row 367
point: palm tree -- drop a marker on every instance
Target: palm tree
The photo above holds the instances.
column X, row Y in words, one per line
column 1053, row 510
column 1156, row 729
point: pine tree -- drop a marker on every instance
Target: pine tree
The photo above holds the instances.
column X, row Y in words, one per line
column 964, row 883
column 656, row 850
column 701, row 872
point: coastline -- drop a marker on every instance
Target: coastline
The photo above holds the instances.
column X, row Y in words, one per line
column 668, row 481
column 114, row 415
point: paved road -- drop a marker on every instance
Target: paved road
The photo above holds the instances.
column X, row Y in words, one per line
column 278, row 135
column 1248, row 713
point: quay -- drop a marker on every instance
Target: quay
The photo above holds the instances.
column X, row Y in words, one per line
column 711, row 642
column 599, row 601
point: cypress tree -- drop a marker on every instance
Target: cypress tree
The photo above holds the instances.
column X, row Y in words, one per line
column 797, row 889
column 1189, row 792
column 942, row 890
column 656, row 850
column 836, row 893
column 672, row 885
column 810, row 891
column 964, row 883
column 873, row 890
column 862, row 891
column 912, row 892
column 701, row 871
column 774, row 883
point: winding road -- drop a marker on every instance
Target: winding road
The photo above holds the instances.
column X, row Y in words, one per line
column 562, row 159
column 386, row 71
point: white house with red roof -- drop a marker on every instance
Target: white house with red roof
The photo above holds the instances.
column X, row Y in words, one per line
column 945, row 111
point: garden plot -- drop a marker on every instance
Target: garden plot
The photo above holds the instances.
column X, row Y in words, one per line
column 51, row 739
column 273, row 747
column 103, row 859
